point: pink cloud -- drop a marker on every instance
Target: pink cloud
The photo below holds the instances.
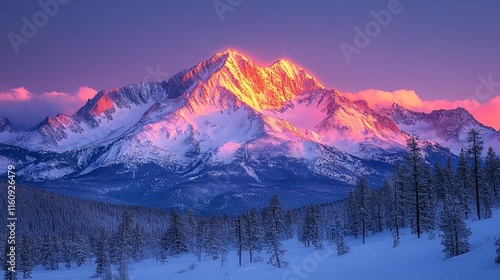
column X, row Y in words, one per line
column 484, row 113
column 16, row 94
column 35, row 107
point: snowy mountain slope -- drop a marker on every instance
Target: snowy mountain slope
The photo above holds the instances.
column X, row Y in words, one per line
column 447, row 127
column 7, row 130
column 105, row 117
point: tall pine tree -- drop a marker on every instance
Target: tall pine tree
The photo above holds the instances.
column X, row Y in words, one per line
column 475, row 149
column 273, row 231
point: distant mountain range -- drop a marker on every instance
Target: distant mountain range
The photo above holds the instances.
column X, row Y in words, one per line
column 223, row 136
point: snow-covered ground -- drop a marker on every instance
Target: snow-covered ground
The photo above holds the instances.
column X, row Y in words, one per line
column 413, row 259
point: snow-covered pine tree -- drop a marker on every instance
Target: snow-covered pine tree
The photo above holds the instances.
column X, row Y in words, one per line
column 288, row 224
column 50, row 251
column 66, row 252
column 253, row 234
column 213, row 238
column 102, row 259
column 122, row 245
column 138, row 244
column 419, row 191
column 225, row 238
column 438, row 180
column 428, row 203
column 312, row 227
column 191, row 225
column 352, row 214
column 338, row 234
column 176, row 237
column 398, row 201
column 27, row 256
column 455, row 234
column 164, row 247
column 123, row 239
column 201, row 237
column 306, row 235
column 122, row 270
column 486, row 197
column 8, row 274
column 475, row 149
column 386, row 203
column 361, row 195
column 463, row 178
column 375, row 215
column 240, row 236
column 273, row 220
column 497, row 243
column 492, row 173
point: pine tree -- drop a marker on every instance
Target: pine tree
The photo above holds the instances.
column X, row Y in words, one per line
column 213, row 238
column 27, row 256
column 273, row 220
column 9, row 272
column 288, row 225
column 492, row 172
column 138, row 243
column 463, row 179
column 423, row 215
column 475, row 150
column 398, row 200
column 428, row 203
column 102, row 259
column 225, row 234
column 311, row 227
column 66, row 253
column 253, row 233
column 80, row 249
column 176, row 237
column 497, row 243
column 338, row 235
column 122, row 270
column 375, row 214
column 240, row 241
column 352, row 214
column 50, row 253
column 191, row 230
column 201, row 238
column 361, row 195
column 455, row 234
column 122, row 245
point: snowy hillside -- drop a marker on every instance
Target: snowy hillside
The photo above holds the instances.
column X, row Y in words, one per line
column 413, row 259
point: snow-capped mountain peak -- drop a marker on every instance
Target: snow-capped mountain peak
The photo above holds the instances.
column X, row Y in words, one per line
column 6, row 126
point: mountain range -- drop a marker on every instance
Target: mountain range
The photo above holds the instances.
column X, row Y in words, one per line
column 223, row 136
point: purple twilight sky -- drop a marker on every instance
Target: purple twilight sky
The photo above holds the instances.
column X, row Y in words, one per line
column 437, row 48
